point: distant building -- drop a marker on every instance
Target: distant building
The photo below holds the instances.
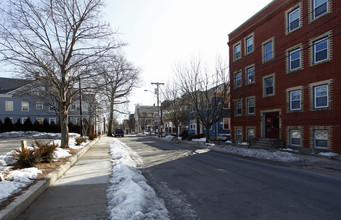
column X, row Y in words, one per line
column 285, row 71
column 145, row 118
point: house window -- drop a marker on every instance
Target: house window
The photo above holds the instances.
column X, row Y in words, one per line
column 320, row 7
column 321, row 96
column 39, row 105
column 40, row 120
column 23, row 120
column 250, row 106
column 249, row 45
column 238, row 107
column 192, row 124
column 294, row 59
column 237, row 53
column 295, row 100
column 321, row 138
column 268, row 51
column 239, row 135
column 226, row 123
column 294, row 19
column 24, row 106
column 251, row 134
column 295, row 137
column 269, row 86
column 51, row 109
column 52, row 121
column 320, row 50
column 238, row 79
column 250, row 76
column 9, row 106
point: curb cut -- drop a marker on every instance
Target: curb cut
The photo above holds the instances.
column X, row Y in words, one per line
column 33, row 192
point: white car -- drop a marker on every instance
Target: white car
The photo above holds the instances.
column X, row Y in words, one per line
column 224, row 137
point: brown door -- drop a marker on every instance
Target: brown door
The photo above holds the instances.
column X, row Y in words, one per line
column 271, row 125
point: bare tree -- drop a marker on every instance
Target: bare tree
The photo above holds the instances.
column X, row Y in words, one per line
column 207, row 91
column 175, row 106
column 117, row 78
column 60, row 40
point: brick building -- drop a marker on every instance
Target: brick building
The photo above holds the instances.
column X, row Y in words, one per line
column 285, row 71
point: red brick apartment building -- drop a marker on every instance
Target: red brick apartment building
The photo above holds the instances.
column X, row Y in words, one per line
column 285, row 71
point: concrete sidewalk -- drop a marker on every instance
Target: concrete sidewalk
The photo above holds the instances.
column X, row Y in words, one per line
column 80, row 193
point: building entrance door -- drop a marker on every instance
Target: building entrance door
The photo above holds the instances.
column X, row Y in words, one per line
column 272, row 125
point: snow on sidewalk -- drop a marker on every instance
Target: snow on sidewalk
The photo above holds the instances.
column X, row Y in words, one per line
column 129, row 196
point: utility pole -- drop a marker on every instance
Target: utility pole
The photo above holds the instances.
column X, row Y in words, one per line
column 158, row 105
column 80, row 107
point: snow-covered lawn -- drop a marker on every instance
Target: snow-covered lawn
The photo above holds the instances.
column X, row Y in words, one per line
column 129, row 196
column 12, row 181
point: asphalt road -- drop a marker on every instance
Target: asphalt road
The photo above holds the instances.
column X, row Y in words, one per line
column 200, row 184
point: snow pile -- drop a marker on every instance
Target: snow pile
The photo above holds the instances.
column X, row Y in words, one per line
column 129, row 196
column 328, row 154
column 199, row 140
column 254, row 153
column 61, row 153
column 17, row 179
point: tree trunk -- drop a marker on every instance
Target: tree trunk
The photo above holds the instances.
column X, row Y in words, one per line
column 207, row 133
column 111, row 119
column 64, row 127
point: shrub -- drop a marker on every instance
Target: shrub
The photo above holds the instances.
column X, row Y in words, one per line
column 45, row 150
column 8, row 125
column 80, row 140
column 1, row 126
column 27, row 157
column 92, row 136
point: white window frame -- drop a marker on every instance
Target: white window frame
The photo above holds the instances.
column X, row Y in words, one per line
column 39, row 104
column 265, row 86
column 290, row 22
column 248, row 82
column 249, row 43
column 238, row 79
column 291, row 93
column 9, row 106
column 315, row 44
column 314, row 7
column 23, row 103
column 226, row 121
column 250, row 106
column 248, row 133
column 239, row 107
column 291, row 60
column 237, row 53
column 291, row 131
column 315, row 138
column 239, row 135
column 193, row 124
column 52, row 120
column 315, row 97
column 266, row 53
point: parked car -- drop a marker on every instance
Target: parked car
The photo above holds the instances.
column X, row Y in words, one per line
column 119, row 133
column 224, row 136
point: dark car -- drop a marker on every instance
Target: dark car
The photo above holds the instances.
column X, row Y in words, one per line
column 119, row 133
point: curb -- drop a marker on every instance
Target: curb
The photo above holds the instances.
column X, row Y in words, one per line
column 26, row 198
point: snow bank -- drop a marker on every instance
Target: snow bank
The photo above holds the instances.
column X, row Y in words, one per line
column 129, row 196
column 254, row 153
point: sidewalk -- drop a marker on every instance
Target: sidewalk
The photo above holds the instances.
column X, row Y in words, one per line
column 80, row 193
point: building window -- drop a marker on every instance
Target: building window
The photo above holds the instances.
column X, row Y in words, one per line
column 226, row 123
column 294, row 19
column 295, row 100
column 250, row 76
column 52, row 121
column 9, row 106
column 251, row 134
column 321, row 138
column 238, row 108
column 321, row 96
column 73, row 107
column 237, row 53
column 23, row 120
column 320, row 7
column 51, row 109
column 294, row 59
column 268, row 51
column 269, row 86
column 239, row 135
column 238, row 80
column 295, row 137
column 193, row 124
column 40, row 120
column 320, row 50
column 24, row 106
column 250, row 106
column 249, row 45
column 39, row 105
